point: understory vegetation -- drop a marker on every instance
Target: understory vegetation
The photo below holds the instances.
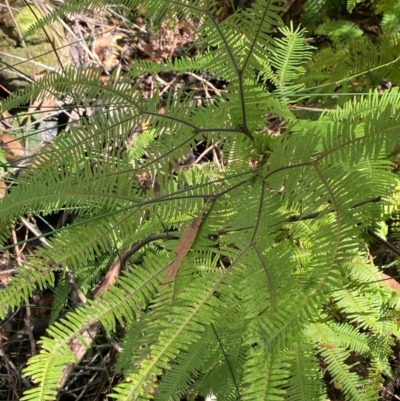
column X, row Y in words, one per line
column 212, row 208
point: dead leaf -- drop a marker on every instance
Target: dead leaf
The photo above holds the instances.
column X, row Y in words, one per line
column 3, row 189
column 108, row 50
column 390, row 282
column 186, row 242
column 5, row 278
column 101, row 47
column 12, row 147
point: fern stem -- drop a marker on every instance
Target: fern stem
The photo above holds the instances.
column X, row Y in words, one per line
column 227, row 361
column 383, row 242
column 134, row 248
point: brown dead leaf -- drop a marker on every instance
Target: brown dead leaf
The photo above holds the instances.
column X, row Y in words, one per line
column 12, row 147
column 186, row 242
column 3, row 189
column 108, row 50
column 5, row 278
column 101, row 47
column 390, row 282
column 111, row 277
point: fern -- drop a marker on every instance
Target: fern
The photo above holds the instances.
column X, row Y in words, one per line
column 278, row 252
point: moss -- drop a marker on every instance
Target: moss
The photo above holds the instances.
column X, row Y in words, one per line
column 25, row 19
column 38, row 48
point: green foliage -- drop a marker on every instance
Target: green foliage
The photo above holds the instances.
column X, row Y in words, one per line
column 354, row 59
column 277, row 279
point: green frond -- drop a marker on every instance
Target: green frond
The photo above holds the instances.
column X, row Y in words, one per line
column 358, row 108
column 386, row 6
column 351, row 4
column 36, row 273
column 351, row 64
column 313, row 12
column 350, row 383
column 119, row 304
column 381, row 359
column 126, row 358
column 61, row 294
column 156, row 9
column 285, row 59
column 305, row 377
column 340, row 31
column 341, row 335
column 264, row 15
column 267, row 374
column 45, row 368
column 390, row 20
column 214, row 357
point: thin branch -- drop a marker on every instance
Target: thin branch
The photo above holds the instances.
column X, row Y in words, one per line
column 383, row 242
column 134, row 248
column 313, row 215
column 35, row 230
column 28, row 326
column 209, row 149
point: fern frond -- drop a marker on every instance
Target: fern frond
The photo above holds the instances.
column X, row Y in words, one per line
column 305, row 379
column 350, row 383
column 284, row 65
column 340, row 31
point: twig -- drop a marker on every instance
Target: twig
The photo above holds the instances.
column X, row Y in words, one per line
column 201, row 79
column 17, row 252
column 35, row 230
column 316, row 109
column 82, row 41
column 114, row 344
column 216, row 159
column 383, row 242
column 26, row 60
column 210, row 148
column 167, row 84
column 78, row 291
column 8, row 271
column 28, row 325
column 82, row 393
column 11, row 369
column 134, row 248
column 375, row 17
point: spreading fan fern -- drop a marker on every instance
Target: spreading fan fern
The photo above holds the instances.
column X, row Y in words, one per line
column 276, row 288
